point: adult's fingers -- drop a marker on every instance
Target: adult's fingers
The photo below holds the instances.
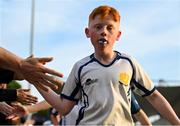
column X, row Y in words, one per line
column 24, row 97
column 12, row 117
column 31, row 99
column 15, row 118
column 25, row 90
column 45, row 59
column 16, row 105
column 41, row 80
column 54, row 80
column 46, row 80
column 19, row 109
column 27, row 101
column 41, row 86
column 7, row 110
column 51, row 71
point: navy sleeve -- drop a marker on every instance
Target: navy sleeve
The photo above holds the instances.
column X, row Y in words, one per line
column 8, row 94
column 134, row 105
column 6, row 76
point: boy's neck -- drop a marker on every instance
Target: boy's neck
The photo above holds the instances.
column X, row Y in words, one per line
column 105, row 58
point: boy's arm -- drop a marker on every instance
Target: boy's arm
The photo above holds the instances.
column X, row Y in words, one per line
column 163, row 107
column 62, row 105
column 142, row 118
column 43, row 105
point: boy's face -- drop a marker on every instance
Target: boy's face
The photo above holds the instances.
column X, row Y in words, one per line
column 106, row 29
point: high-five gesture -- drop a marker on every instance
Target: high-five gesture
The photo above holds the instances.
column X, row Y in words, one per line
column 24, row 97
column 31, row 69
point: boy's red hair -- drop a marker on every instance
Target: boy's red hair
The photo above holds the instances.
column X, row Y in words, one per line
column 105, row 11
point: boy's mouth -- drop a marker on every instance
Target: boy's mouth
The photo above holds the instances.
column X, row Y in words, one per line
column 102, row 41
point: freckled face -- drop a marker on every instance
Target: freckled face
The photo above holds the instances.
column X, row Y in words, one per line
column 106, row 29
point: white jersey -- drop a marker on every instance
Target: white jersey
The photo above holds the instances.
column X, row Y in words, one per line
column 70, row 118
column 103, row 91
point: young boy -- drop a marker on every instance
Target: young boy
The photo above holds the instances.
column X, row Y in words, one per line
column 101, row 82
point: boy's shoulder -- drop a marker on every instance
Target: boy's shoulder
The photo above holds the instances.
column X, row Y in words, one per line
column 134, row 62
column 128, row 57
column 84, row 60
column 125, row 55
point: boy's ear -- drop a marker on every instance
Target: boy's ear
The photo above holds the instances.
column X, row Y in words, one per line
column 87, row 32
column 118, row 35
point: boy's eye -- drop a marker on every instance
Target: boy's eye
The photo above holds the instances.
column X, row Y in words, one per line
column 98, row 27
column 110, row 28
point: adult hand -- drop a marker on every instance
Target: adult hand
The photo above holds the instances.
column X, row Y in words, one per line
column 5, row 108
column 32, row 70
column 18, row 111
column 24, row 97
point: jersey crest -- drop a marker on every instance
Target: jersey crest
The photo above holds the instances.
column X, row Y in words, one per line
column 124, row 78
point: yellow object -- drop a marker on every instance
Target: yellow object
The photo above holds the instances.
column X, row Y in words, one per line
column 124, row 78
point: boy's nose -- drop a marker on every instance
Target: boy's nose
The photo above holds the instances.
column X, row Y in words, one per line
column 103, row 34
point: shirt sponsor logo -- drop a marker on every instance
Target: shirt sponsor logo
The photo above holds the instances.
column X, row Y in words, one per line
column 124, row 78
column 90, row 81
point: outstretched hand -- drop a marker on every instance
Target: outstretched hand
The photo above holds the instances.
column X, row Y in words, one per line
column 18, row 111
column 6, row 109
column 33, row 70
column 24, row 97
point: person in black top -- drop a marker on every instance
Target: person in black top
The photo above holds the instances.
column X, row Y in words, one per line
column 11, row 95
column 20, row 95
